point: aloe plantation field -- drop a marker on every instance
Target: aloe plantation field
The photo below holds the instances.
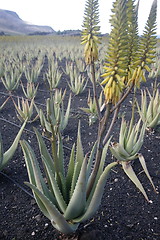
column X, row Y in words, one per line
column 34, row 69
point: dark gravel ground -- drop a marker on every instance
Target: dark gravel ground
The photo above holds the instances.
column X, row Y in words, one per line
column 124, row 213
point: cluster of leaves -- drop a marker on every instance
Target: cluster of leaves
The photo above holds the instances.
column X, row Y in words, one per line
column 70, row 197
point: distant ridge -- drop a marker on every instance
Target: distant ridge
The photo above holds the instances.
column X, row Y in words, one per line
column 12, row 24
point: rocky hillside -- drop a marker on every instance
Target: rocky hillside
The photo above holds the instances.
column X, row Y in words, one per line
column 12, row 24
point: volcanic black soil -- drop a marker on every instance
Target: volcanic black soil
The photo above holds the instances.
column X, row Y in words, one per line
column 124, row 213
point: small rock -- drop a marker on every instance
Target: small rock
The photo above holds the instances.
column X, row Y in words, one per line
column 38, row 217
column 46, row 225
column 5, row 233
column 33, row 202
column 130, row 225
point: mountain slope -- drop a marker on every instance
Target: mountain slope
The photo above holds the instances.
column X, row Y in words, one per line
column 11, row 23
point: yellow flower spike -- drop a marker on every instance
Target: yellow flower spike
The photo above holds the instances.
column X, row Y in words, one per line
column 120, row 70
column 106, row 74
column 143, row 63
column 105, row 81
column 113, row 86
column 137, row 82
column 118, row 77
column 112, row 91
column 147, row 68
column 139, row 72
column 143, row 77
column 107, row 93
column 90, row 33
column 149, row 61
column 117, row 94
column 84, row 41
column 120, row 85
column 110, row 82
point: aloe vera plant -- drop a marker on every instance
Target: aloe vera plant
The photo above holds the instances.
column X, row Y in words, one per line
column 32, row 72
column 6, row 156
column 69, row 67
column 56, row 116
column 53, row 76
column 77, row 82
column 25, row 110
column 80, row 64
column 150, row 113
column 155, row 69
column 92, row 108
column 127, row 149
column 2, row 69
column 64, row 199
column 11, row 78
column 70, row 197
column 31, row 90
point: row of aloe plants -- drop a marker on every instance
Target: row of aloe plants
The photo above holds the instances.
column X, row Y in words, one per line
column 73, row 196
column 30, row 62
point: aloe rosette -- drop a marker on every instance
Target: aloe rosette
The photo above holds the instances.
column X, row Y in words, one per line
column 92, row 108
column 11, row 78
column 150, row 113
column 31, row 90
column 127, row 149
column 56, row 116
column 25, row 110
column 64, row 199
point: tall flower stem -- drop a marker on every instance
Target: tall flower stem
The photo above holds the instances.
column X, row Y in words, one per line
column 123, row 97
column 95, row 89
column 111, row 126
column 101, row 133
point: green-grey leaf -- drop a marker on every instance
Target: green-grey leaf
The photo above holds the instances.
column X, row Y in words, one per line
column 58, row 195
column 131, row 174
column 77, row 202
column 70, row 169
column 10, row 152
column 1, row 151
column 57, row 219
column 143, row 163
column 34, row 172
column 97, row 195
column 100, row 171
column 79, row 159
column 43, row 150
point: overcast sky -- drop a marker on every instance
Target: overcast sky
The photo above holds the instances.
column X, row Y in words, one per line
column 68, row 14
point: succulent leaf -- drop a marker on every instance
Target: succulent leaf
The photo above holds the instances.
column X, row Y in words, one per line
column 70, row 171
column 57, row 193
column 79, row 159
column 34, row 172
column 131, row 174
column 77, row 202
column 1, row 151
column 150, row 112
column 10, row 152
column 97, row 195
column 143, row 164
column 53, row 214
